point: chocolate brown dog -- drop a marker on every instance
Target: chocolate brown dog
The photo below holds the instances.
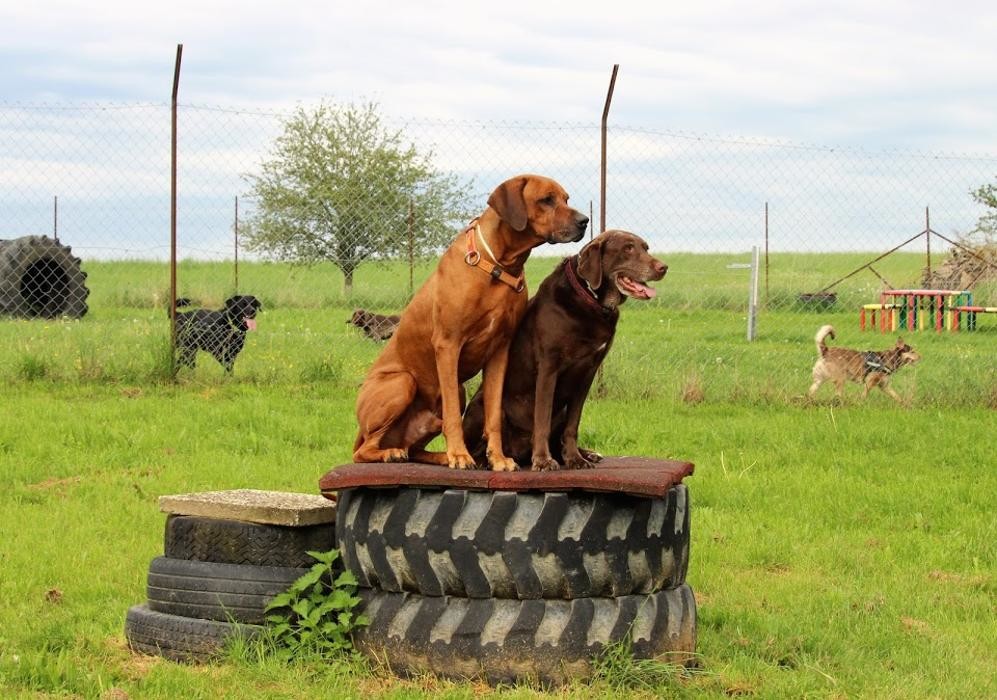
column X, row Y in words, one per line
column 870, row 368
column 375, row 326
column 567, row 330
column 460, row 322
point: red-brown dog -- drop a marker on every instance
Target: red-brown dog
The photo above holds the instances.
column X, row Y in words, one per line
column 460, row 322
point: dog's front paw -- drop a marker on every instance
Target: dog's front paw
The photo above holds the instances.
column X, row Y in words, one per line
column 578, row 462
column 396, row 455
column 460, row 460
column 499, row 462
column 545, row 464
column 505, row 464
column 590, row 456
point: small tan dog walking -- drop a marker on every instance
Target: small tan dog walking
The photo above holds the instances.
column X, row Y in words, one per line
column 870, row 368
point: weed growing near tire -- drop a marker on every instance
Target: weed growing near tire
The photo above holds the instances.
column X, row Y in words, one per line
column 617, row 667
column 314, row 617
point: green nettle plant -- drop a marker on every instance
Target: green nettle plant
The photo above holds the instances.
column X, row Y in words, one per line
column 315, row 615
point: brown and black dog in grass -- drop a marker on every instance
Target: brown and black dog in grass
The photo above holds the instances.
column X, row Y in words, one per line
column 567, row 330
column 375, row 326
column 869, row 368
column 460, row 322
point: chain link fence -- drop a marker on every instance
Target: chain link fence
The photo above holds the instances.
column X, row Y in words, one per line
column 85, row 226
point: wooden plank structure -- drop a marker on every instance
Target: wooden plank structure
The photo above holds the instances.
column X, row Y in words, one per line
column 636, row 476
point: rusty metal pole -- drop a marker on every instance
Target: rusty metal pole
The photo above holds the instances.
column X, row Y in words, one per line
column 602, row 164
column 173, row 214
column 55, row 218
column 927, row 239
column 766, row 254
column 235, row 228
column 411, row 247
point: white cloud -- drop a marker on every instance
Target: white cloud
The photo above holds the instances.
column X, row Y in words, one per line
column 912, row 75
column 715, row 65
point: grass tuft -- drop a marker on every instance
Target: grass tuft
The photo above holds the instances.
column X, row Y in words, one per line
column 32, row 368
column 617, row 668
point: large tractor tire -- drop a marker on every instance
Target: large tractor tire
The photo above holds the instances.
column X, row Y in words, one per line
column 41, row 278
column 507, row 641
column 503, row 544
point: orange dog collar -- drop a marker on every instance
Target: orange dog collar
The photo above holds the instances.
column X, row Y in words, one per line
column 493, row 270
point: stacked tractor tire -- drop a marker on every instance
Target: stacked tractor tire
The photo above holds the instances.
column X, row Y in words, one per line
column 219, row 571
column 513, row 586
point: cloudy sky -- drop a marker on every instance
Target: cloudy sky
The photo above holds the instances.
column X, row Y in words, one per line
column 890, row 74
column 822, row 84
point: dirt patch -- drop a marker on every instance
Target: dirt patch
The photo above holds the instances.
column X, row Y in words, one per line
column 134, row 666
column 57, row 487
column 949, row 577
column 914, row 625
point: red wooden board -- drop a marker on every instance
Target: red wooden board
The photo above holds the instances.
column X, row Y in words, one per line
column 637, row 476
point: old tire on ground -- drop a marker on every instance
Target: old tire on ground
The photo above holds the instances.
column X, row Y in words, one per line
column 41, row 278
column 180, row 638
column 504, row 641
column 238, row 542
column 501, row 544
column 212, row 591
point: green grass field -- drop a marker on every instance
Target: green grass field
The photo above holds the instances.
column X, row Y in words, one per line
column 839, row 550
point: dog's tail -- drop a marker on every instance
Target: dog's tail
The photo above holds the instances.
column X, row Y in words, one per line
column 181, row 302
column 823, row 333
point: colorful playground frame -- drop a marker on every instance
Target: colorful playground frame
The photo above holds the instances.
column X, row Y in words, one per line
column 927, row 308
column 918, row 309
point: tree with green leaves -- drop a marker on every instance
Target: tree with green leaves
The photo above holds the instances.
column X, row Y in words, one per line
column 340, row 185
column 987, row 225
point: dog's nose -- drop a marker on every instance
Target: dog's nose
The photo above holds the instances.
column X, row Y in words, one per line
column 581, row 222
column 660, row 268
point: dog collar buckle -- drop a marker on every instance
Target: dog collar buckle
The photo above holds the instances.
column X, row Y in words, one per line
column 473, row 258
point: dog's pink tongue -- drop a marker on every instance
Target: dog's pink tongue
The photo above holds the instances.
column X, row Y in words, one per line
column 636, row 289
column 250, row 324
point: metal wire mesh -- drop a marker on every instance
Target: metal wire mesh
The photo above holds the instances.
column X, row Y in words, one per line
column 84, row 211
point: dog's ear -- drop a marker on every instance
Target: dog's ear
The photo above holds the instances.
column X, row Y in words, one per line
column 508, row 200
column 590, row 263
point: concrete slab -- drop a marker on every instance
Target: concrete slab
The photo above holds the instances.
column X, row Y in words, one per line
column 637, row 476
column 255, row 506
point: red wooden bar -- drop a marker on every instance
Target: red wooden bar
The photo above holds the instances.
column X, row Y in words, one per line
column 970, row 311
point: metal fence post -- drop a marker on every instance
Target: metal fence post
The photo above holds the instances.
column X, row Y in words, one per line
column 173, row 214
column 602, row 161
column 753, row 296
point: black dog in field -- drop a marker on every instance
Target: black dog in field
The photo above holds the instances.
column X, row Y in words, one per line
column 375, row 326
column 221, row 332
